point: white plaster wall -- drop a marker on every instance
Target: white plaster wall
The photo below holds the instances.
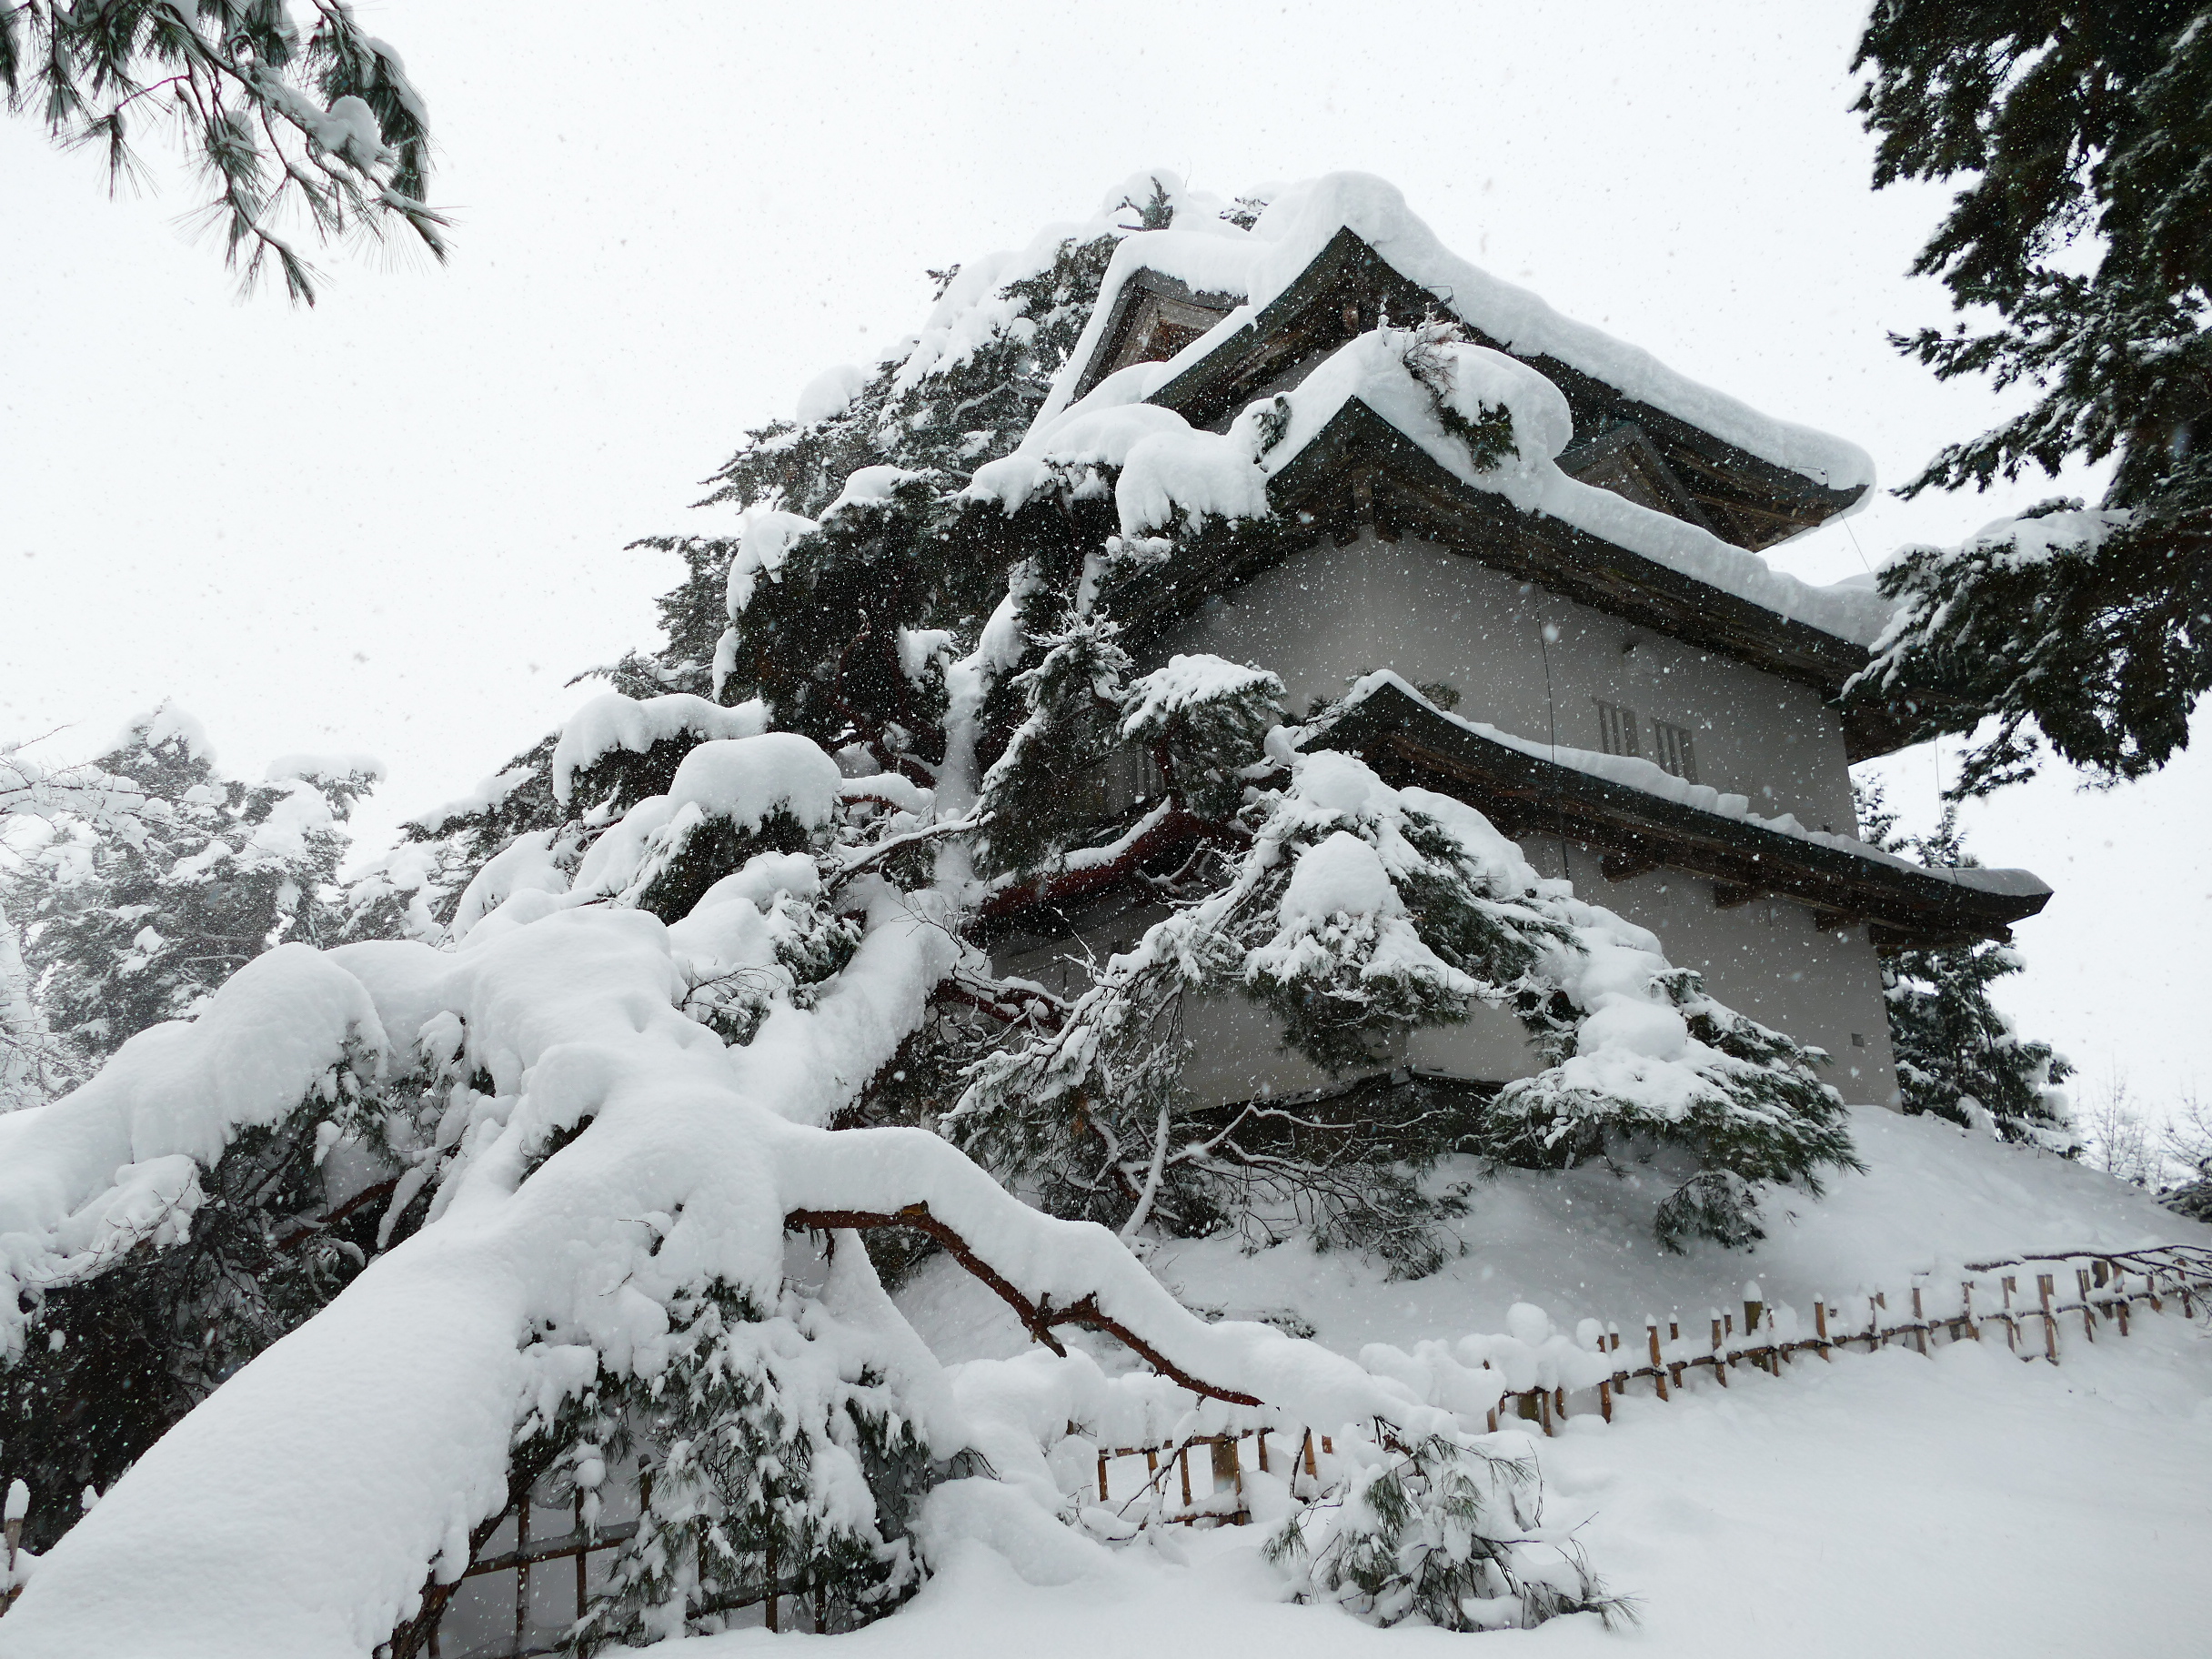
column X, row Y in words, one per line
column 1327, row 616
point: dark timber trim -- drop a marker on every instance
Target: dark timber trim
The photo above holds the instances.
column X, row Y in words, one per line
column 1408, row 742
column 1348, row 288
column 1360, row 470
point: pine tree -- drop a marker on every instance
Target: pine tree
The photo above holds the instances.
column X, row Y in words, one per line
column 350, row 156
column 1959, row 1057
column 134, row 917
column 133, row 923
column 2084, row 133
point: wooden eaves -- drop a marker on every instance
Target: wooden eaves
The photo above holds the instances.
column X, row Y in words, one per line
column 1408, row 742
column 1360, row 470
column 1348, row 287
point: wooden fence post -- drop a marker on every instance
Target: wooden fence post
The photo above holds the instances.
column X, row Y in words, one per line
column 1182, row 1459
column 2050, row 1321
column 768, row 1566
column 522, row 1571
column 1651, row 1332
column 1920, row 1323
column 2088, row 1317
column 1820, row 1329
column 2012, row 1324
column 1102, row 1493
column 1720, row 1350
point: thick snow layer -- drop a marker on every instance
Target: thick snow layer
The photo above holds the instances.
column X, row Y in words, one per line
column 1652, row 780
column 765, row 538
column 1169, row 469
column 830, row 393
column 1300, row 221
column 1964, row 1505
column 88, row 1176
column 611, row 721
column 744, row 780
column 325, row 1478
column 1580, row 1245
column 158, row 726
column 1372, row 370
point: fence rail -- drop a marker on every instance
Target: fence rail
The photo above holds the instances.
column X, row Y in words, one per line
column 2108, row 1288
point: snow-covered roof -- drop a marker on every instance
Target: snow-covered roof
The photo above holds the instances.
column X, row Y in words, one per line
column 1647, row 819
column 1216, row 263
column 1380, row 404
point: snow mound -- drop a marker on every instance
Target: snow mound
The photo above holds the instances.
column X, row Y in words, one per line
column 611, row 721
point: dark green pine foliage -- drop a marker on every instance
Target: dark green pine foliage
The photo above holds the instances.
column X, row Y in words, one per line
column 1957, row 1056
column 127, row 930
column 781, row 1464
column 325, row 130
column 2083, row 134
column 116, row 1360
column 1043, row 792
column 944, row 421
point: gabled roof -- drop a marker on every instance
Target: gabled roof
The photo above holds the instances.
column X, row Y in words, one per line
column 1525, row 788
column 1749, row 479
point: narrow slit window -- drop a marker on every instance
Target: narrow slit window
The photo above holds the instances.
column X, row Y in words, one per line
column 1675, row 754
column 1617, row 728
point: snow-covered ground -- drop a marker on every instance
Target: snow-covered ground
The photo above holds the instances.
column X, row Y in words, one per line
column 1967, row 1503
column 1580, row 1245
column 1887, row 1505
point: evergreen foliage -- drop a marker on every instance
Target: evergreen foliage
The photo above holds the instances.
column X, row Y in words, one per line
column 136, row 922
column 782, row 1462
column 326, row 127
column 1440, row 1533
column 262, row 1242
column 2083, row 133
column 1957, row 1056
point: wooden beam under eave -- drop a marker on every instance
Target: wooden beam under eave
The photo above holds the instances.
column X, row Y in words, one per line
column 1627, row 866
column 1733, row 896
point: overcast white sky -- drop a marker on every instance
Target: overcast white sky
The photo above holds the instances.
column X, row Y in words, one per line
column 396, row 523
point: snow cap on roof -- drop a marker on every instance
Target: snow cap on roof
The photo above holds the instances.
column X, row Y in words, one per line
column 1210, row 255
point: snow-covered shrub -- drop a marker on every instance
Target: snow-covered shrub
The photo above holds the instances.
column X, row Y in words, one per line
column 1443, row 1531
column 781, row 1458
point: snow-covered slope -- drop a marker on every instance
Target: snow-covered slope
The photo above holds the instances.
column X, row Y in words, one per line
column 1580, row 1245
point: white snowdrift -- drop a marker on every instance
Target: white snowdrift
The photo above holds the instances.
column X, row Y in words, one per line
column 324, row 1480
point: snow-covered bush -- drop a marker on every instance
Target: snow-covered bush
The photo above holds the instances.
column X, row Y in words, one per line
column 1442, row 1531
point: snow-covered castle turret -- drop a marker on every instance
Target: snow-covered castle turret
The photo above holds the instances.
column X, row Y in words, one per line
column 1560, row 617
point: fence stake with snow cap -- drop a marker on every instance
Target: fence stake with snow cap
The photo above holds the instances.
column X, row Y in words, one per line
column 2012, row 1325
column 1720, row 1347
column 2088, row 1318
column 1754, row 1304
column 1920, row 1323
column 1651, row 1332
column 1820, row 1328
column 2050, row 1321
